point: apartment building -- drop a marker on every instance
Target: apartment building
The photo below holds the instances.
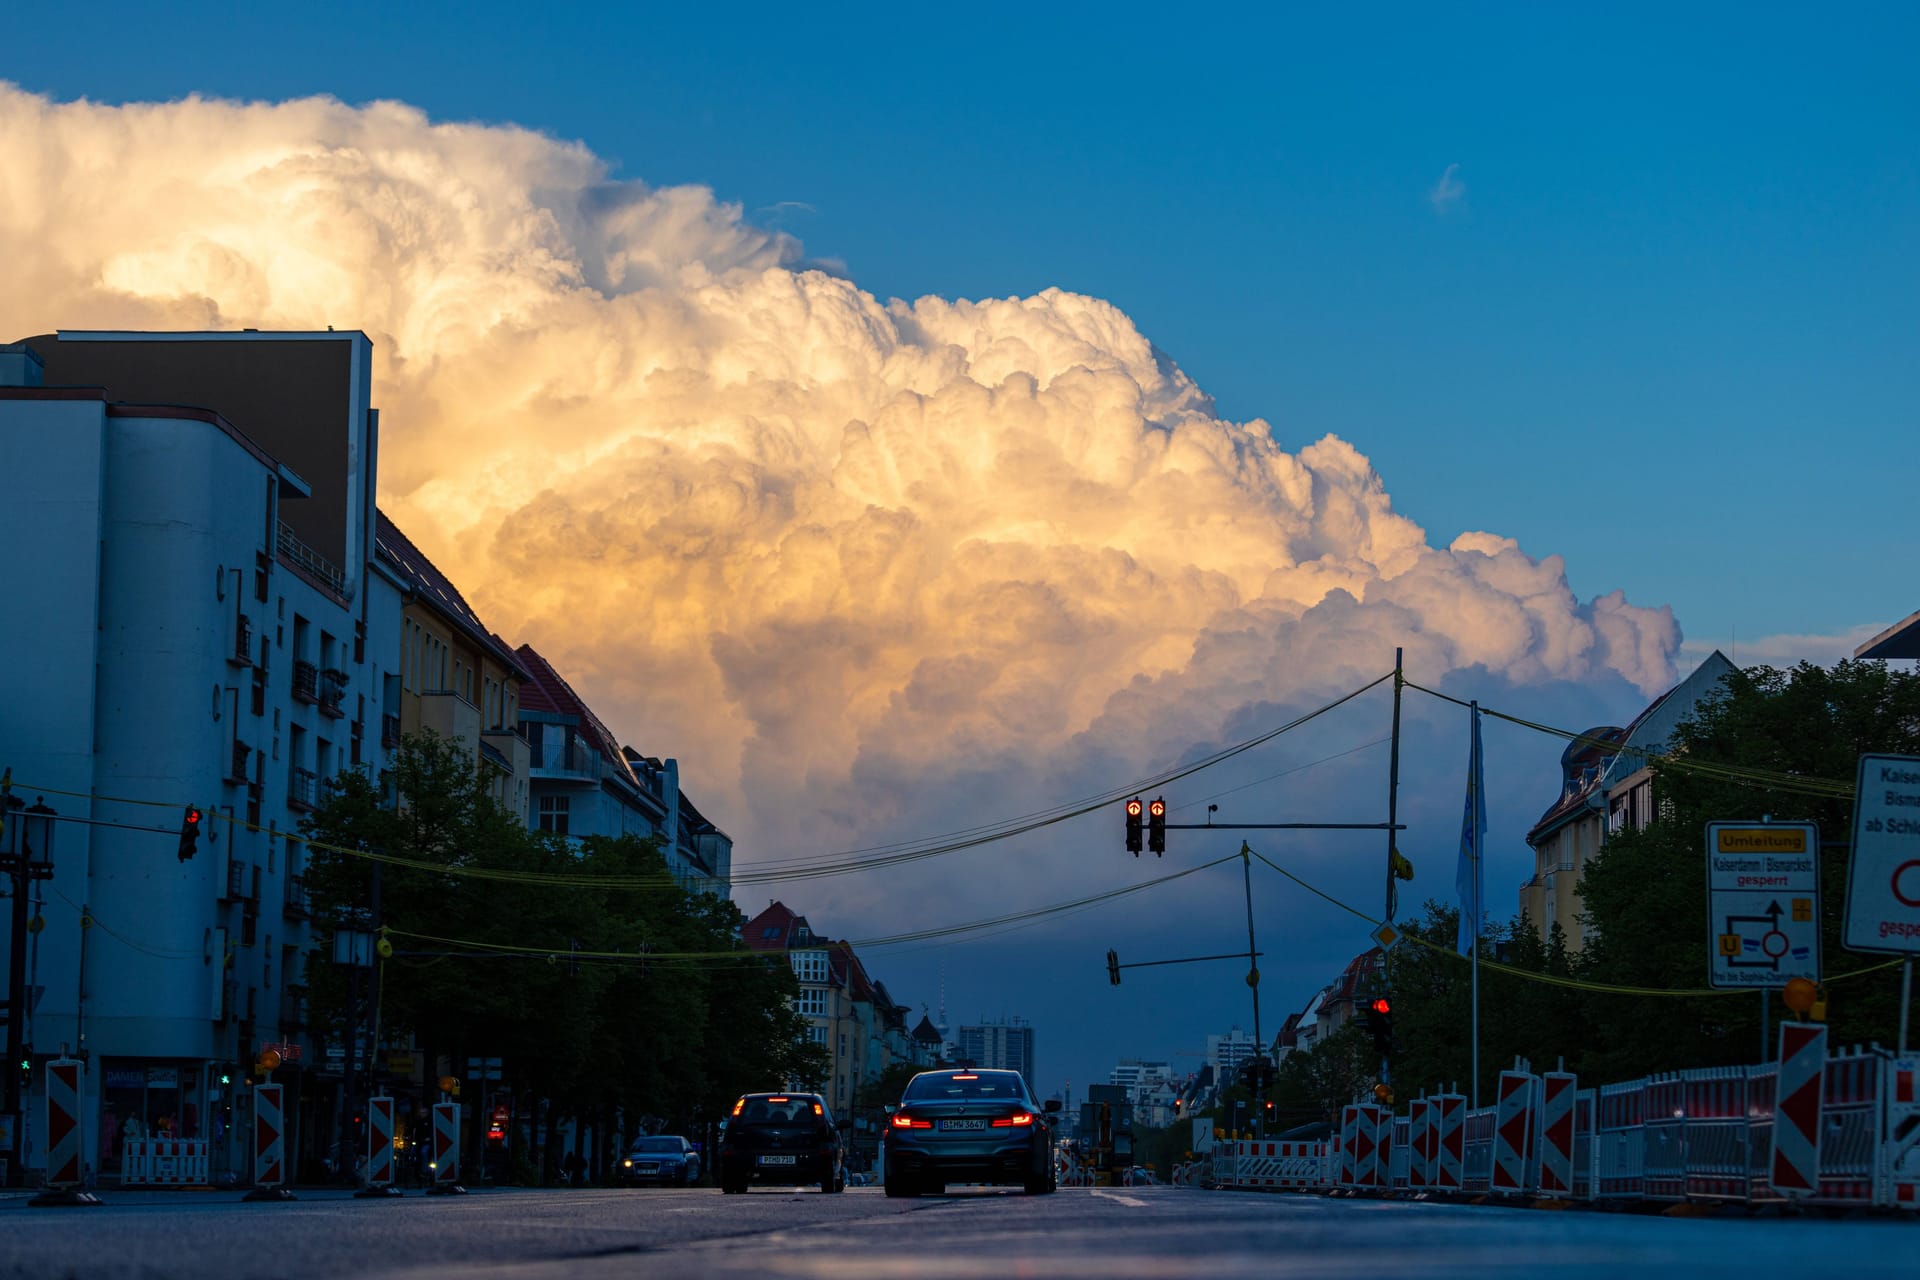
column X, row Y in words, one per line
column 197, row 619
column 456, row 677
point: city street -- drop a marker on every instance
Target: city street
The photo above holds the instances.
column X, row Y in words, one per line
column 1135, row 1232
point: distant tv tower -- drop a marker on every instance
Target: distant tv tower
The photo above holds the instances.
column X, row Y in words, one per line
column 941, row 1026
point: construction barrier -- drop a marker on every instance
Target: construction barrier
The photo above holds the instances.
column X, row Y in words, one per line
column 1399, row 1153
column 1476, row 1169
column 1717, row 1134
column 64, row 1169
column 164, row 1162
column 1901, row 1174
column 1557, row 1091
column 1419, row 1157
column 1851, row 1124
column 1620, row 1137
column 1514, row 1168
column 1448, row 1141
column 1664, row 1162
column 379, row 1143
column 1586, row 1148
column 269, row 1136
column 446, row 1145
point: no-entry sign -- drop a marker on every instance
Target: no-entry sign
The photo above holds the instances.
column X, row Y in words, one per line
column 1883, row 881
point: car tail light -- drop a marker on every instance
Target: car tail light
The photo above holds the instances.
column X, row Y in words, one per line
column 818, row 1109
column 738, row 1105
column 1017, row 1118
column 908, row 1122
column 961, row 1077
column 776, row 1099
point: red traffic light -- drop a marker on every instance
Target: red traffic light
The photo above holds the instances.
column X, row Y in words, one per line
column 1380, row 1005
column 1158, row 809
column 1133, row 808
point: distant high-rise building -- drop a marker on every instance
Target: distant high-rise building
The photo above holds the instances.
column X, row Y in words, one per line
column 1226, row 1053
column 999, row 1046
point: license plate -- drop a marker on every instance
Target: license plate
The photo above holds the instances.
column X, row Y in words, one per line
column 646, row 1168
column 778, row 1159
column 963, row 1124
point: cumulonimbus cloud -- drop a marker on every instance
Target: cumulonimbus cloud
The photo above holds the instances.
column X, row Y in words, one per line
column 822, row 546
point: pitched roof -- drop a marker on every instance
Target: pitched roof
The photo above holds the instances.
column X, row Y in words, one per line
column 547, row 690
column 924, row 1032
column 424, row 579
column 772, row 929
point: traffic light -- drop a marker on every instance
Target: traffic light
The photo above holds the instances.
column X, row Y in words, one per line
column 189, row 832
column 26, row 1066
column 1157, row 826
column 1113, row 967
column 1380, row 1025
column 1383, row 1094
column 1133, row 826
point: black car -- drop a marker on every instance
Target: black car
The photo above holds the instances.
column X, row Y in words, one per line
column 668, row 1162
column 784, row 1138
column 968, row 1126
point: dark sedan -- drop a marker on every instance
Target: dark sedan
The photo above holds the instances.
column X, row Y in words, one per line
column 662, row 1162
column 969, row 1126
column 784, row 1138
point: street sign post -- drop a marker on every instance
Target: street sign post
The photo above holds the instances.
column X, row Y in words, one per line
column 1883, row 882
column 1763, row 903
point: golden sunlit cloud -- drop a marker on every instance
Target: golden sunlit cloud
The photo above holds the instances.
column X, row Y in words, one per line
column 824, row 548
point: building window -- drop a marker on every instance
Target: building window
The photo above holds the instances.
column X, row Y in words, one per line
column 553, row 814
column 811, row 1002
column 810, row 966
column 818, row 1035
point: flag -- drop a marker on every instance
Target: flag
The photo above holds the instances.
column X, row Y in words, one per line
column 1472, row 880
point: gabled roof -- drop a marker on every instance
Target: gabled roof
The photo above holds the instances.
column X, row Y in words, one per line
column 395, row 550
column 924, row 1033
column 847, row 967
column 771, row 930
column 1901, row 640
column 547, row 690
column 1651, row 732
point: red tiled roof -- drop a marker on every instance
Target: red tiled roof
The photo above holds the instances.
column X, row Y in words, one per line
column 547, row 690
column 777, row 917
column 433, row 586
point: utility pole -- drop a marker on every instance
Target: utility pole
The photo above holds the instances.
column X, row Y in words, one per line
column 1253, row 985
column 1393, row 781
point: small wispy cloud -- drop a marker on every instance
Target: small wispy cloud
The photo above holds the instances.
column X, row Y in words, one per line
column 1448, row 191
column 1785, row 649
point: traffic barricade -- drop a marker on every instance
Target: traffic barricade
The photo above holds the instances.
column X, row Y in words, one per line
column 1761, row 1080
column 1715, row 1135
column 1372, row 1136
column 1586, row 1181
column 1400, row 1153
column 1665, row 1159
column 1516, row 1122
column 1620, row 1139
column 446, row 1150
column 1349, row 1143
column 1901, row 1150
column 164, row 1162
column 1226, row 1163
column 65, row 1168
column 1477, row 1151
column 269, row 1145
column 1852, row 1120
column 377, row 1172
column 1332, row 1154
column 1419, row 1157
column 1448, row 1138
column 1557, row 1090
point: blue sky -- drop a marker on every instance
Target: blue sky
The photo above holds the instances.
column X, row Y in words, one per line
column 1660, row 319
column 1666, row 330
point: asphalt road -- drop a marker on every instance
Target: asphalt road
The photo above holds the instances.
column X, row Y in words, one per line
column 1111, row 1234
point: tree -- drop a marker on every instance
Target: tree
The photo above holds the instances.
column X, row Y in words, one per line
column 1645, row 895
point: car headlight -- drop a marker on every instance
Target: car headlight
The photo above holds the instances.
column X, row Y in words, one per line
column 627, row 1163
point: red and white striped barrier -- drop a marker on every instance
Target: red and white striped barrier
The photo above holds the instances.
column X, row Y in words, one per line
column 1448, row 1140
column 1419, row 1157
column 446, row 1148
column 269, row 1144
column 63, row 1122
column 1851, row 1127
column 1269, row 1166
column 65, row 1168
column 1719, row 1121
column 1664, row 1162
column 164, row 1162
column 1620, row 1134
column 1903, row 1135
column 1516, row 1120
column 1349, row 1143
column 378, row 1173
column 1557, row 1090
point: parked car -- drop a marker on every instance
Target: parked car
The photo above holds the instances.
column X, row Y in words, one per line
column 783, row 1138
column 969, row 1126
column 664, row 1162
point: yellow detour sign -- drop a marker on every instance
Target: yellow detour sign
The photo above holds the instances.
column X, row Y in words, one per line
column 1763, row 903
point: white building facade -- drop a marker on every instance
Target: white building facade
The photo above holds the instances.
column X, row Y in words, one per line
column 193, row 619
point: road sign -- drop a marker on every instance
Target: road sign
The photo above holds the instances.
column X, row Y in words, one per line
column 1763, row 903
column 1883, row 881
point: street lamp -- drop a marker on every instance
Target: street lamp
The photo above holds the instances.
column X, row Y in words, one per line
column 26, row 854
column 353, row 951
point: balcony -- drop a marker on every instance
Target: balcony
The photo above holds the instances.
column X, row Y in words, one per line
column 303, row 787
column 571, row 761
column 333, row 691
column 389, row 732
column 306, row 682
column 295, row 905
column 451, row 716
column 236, row 882
column 242, row 655
column 304, row 557
column 241, row 756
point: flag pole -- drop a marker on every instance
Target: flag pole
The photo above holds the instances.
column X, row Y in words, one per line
column 1478, row 802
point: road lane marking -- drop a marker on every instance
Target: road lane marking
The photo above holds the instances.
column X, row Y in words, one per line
column 1129, row 1201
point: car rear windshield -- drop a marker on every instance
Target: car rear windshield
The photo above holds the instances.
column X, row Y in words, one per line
column 970, row 1084
column 792, row 1111
column 657, row 1146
